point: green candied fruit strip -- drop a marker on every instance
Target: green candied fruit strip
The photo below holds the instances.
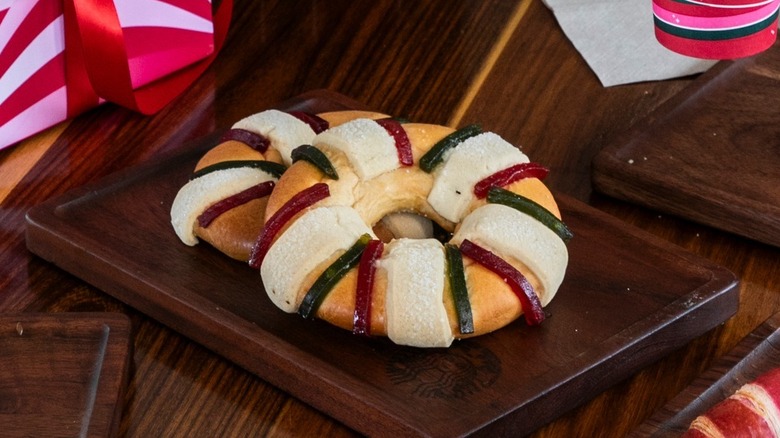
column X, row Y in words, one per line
column 497, row 195
column 331, row 276
column 435, row 156
column 274, row 169
column 316, row 157
column 460, row 294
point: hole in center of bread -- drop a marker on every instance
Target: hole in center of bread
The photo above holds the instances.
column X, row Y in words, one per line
column 408, row 225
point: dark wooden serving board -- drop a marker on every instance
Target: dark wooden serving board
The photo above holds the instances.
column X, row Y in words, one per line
column 627, row 300
column 62, row 374
column 710, row 154
column 758, row 353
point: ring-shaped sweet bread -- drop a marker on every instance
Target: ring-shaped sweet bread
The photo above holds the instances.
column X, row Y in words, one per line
column 224, row 201
column 319, row 254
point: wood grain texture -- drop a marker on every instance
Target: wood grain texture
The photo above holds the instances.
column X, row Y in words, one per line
column 611, row 316
column 755, row 355
column 417, row 60
column 711, row 154
column 63, row 374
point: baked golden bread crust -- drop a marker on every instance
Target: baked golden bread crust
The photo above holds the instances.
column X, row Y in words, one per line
column 404, row 189
column 235, row 231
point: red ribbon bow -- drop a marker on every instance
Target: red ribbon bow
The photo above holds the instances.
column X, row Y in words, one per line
column 96, row 60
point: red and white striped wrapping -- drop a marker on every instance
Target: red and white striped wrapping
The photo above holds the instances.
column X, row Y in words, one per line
column 752, row 411
column 37, row 89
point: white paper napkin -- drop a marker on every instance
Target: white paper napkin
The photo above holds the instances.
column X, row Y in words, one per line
column 617, row 40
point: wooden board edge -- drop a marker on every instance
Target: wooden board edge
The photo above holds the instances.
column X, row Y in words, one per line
column 720, row 380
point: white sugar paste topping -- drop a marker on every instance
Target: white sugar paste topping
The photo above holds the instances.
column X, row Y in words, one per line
column 308, row 242
column 465, row 165
column 286, row 132
column 202, row 192
column 370, row 149
column 415, row 310
column 342, row 190
column 510, row 233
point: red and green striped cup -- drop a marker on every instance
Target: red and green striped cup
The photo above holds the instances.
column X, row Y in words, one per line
column 716, row 29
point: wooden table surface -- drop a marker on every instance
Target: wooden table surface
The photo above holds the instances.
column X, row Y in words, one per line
column 503, row 63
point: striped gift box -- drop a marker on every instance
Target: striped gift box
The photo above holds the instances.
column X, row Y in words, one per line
column 716, row 29
column 37, row 85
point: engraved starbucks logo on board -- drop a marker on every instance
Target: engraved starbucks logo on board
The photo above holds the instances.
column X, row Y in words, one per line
column 462, row 370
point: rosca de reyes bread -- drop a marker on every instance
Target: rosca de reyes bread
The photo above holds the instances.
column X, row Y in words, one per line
column 320, row 253
column 752, row 411
column 224, row 201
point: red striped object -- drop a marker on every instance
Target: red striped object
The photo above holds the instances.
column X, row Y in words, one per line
column 716, row 29
column 61, row 57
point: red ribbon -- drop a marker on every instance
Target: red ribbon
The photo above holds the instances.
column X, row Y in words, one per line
column 96, row 60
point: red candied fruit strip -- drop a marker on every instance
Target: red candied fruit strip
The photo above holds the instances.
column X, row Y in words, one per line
column 365, row 286
column 317, row 123
column 255, row 141
column 275, row 223
column 507, row 176
column 215, row 210
column 532, row 307
column 402, row 143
